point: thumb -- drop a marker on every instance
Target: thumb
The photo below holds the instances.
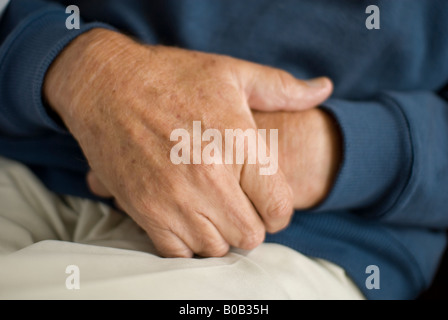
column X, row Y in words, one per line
column 270, row 89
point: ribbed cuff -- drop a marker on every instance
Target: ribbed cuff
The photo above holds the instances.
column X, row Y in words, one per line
column 377, row 157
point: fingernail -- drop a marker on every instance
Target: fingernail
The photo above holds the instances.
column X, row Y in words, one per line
column 317, row 83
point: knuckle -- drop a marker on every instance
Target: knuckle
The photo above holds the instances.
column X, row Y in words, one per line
column 177, row 253
column 253, row 239
column 278, row 215
column 215, row 249
column 207, row 242
column 168, row 245
column 280, row 208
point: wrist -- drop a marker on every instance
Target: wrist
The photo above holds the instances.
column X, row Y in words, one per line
column 310, row 152
column 312, row 157
column 328, row 158
column 75, row 71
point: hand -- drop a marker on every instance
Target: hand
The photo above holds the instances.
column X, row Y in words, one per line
column 121, row 100
column 310, row 152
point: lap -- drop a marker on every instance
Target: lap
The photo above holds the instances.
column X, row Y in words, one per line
column 41, row 234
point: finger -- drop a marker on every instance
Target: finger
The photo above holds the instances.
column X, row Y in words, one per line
column 270, row 195
column 229, row 209
column 169, row 245
column 97, row 187
column 267, row 187
column 186, row 231
column 270, row 89
column 158, row 220
column 202, row 237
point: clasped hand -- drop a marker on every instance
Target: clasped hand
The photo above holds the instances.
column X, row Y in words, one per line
column 121, row 100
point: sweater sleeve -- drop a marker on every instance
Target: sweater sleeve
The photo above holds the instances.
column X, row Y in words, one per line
column 32, row 34
column 395, row 163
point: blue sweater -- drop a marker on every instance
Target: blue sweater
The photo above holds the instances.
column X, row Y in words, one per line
column 389, row 205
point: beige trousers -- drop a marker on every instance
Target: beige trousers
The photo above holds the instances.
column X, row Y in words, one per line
column 60, row 247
